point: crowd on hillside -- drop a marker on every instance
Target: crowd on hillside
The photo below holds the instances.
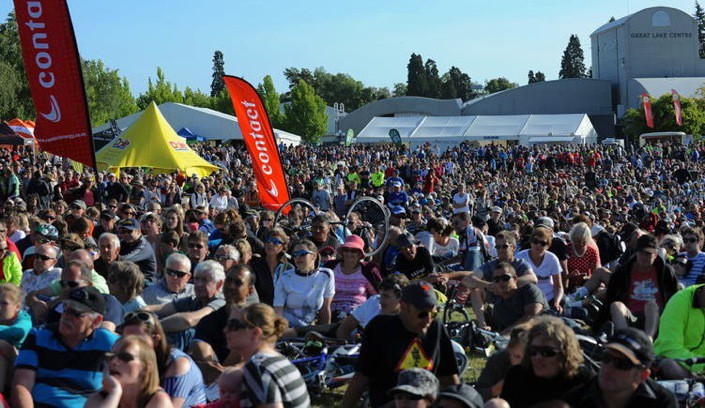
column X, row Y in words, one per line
column 145, row 289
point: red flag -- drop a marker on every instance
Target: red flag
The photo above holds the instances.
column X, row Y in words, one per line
column 677, row 107
column 54, row 73
column 259, row 138
column 646, row 101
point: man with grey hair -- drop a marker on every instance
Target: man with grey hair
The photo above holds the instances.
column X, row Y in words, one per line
column 109, row 247
column 180, row 316
column 228, row 256
column 174, row 284
column 44, row 271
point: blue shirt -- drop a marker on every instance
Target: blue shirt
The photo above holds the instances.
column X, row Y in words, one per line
column 64, row 377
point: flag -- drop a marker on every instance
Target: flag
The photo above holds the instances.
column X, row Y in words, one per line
column 24, row 128
column 53, row 70
column 259, row 139
column 646, row 101
column 677, row 107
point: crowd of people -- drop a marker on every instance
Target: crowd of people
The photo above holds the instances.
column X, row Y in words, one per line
column 158, row 290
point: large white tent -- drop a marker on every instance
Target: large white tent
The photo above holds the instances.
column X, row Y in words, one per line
column 207, row 123
column 451, row 130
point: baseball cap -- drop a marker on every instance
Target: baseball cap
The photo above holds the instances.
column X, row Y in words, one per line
column 398, row 210
column 420, row 294
column 396, row 184
column 86, row 299
column 496, row 209
column 416, row 381
column 128, row 223
column 633, row 344
column 647, row 243
column 405, row 239
column 544, row 221
column 48, row 231
column 463, row 393
column 78, row 203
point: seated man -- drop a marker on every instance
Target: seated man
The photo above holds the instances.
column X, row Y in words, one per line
column 639, row 289
column 175, row 283
column 514, row 304
column 681, row 333
column 180, row 316
column 623, row 380
column 60, row 365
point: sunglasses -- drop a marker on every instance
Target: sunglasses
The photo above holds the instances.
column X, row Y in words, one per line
column 112, row 206
column 690, row 240
column 267, row 219
column 235, row 324
column 503, row 278
column 222, row 257
column 425, row 314
column 139, row 317
column 43, row 257
column 503, row 246
column 543, row 351
column 539, row 242
column 70, row 284
column 197, row 246
column 123, row 356
column 300, row 253
column 618, row 363
column 49, row 218
column 275, row 241
column 174, row 272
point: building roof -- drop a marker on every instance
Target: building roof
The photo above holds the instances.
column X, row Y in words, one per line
column 686, row 87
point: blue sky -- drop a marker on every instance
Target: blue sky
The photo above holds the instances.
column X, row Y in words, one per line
column 370, row 40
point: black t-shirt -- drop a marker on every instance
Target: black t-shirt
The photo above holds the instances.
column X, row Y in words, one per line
column 210, row 330
column 264, row 283
column 416, row 268
column 524, row 389
column 388, row 348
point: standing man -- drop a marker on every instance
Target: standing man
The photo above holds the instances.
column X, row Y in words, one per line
column 392, row 343
column 60, row 366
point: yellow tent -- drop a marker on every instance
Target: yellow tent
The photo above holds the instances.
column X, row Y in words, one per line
column 151, row 142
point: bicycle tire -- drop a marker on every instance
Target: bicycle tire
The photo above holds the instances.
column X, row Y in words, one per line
column 305, row 223
column 370, row 210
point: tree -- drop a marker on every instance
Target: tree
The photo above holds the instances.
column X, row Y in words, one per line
column 15, row 97
column 456, row 84
column 634, row 121
column 540, row 76
column 498, row 84
column 611, row 19
column 107, row 93
column 217, row 85
column 532, row 77
column 197, row 98
column 416, row 83
column 399, row 89
column 270, row 97
column 306, row 114
column 335, row 88
column 573, row 61
column 433, row 80
column 700, row 19
column 160, row 92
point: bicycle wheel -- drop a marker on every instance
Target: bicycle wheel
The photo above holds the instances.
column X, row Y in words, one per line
column 299, row 229
column 375, row 219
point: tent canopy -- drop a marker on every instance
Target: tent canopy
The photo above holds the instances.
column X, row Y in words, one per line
column 8, row 137
column 187, row 134
column 150, row 142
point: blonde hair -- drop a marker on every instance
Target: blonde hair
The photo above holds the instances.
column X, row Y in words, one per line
column 14, row 292
column 150, row 383
column 263, row 316
column 553, row 329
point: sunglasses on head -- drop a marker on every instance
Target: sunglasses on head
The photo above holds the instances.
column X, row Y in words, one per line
column 235, row 324
column 138, row 317
column 503, row 278
column 123, row 356
column 174, row 272
column 300, row 253
column 621, row 364
column 539, row 242
column 543, row 351
column 70, row 284
column 43, row 257
column 272, row 240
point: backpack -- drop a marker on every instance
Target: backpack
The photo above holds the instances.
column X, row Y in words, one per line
column 609, row 245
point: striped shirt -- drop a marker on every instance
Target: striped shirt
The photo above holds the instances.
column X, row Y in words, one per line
column 271, row 378
column 695, row 271
column 64, row 377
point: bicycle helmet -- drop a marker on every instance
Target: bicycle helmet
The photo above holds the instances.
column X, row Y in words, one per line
column 48, row 231
column 461, row 359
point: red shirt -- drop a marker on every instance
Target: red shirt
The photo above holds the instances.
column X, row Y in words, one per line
column 643, row 286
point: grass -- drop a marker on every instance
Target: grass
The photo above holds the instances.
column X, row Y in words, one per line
column 334, row 398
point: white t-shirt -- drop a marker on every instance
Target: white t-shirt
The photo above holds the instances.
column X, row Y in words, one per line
column 367, row 310
column 550, row 266
column 463, row 198
column 445, row 251
column 302, row 296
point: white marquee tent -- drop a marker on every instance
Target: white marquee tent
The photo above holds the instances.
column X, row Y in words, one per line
column 210, row 124
column 451, row 130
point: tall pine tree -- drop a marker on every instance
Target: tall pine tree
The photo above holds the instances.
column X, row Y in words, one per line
column 217, row 85
column 573, row 61
column 532, row 77
column 432, row 79
column 416, row 84
column 700, row 18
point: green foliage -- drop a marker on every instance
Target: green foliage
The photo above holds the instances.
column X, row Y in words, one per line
column 573, row 61
column 460, row 82
column 433, row 80
column 634, row 121
column 160, row 92
column 217, row 85
column 15, row 97
column 270, row 97
column 306, row 114
column 498, row 84
column 108, row 94
column 416, row 81
column 399, row 89
column 700, row 19
column 196, row 98
column 223, row 103
column 536, row 77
